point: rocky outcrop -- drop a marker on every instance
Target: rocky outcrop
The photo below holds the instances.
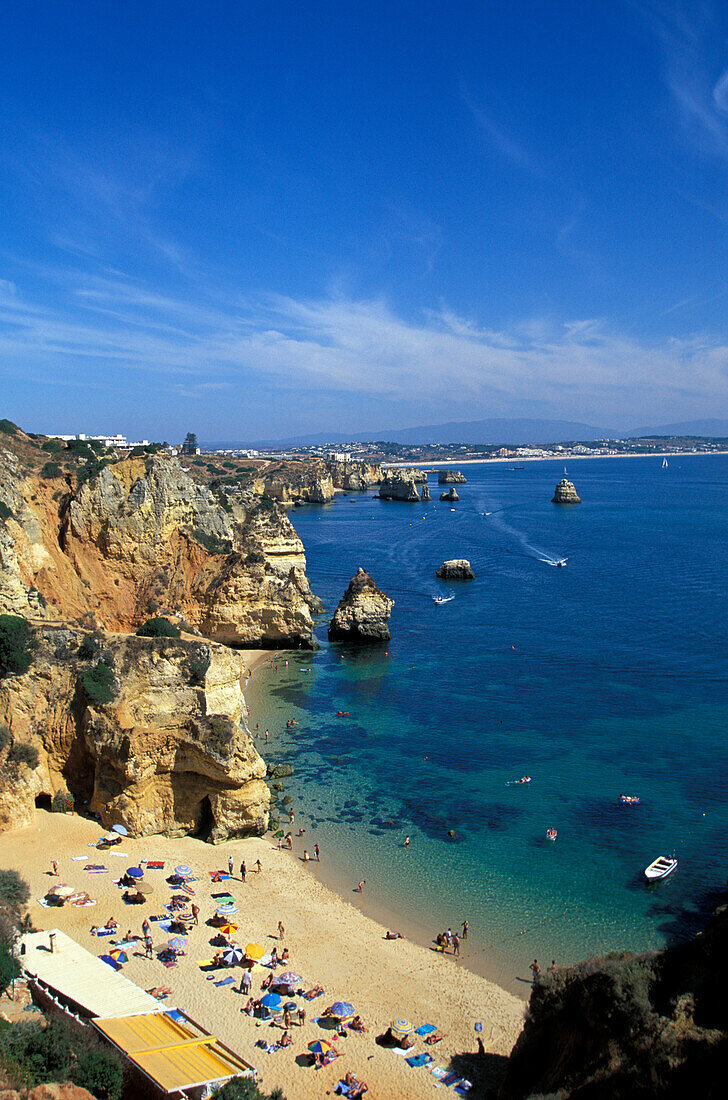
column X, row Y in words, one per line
column 639, row 1026
column 354, row 475
column 565, row 493
column 142, row 537
column 48, row 1091
column 314, row 488
column 362, row 616
column 425, row 492
column 414, row 473
column 449, row 495
column 397, row 486
column 457, row 569
column 450, row 477
column 167, row 753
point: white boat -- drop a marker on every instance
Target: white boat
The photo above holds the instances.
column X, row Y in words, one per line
column 660, row 868
column 664, row 463
column 560, row 563
column 443, row 599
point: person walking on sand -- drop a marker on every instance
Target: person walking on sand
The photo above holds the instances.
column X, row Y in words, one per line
column 317, row 853
column 148, row 945
column 230, row 866
column 258, row 866
column 146, row 928
column 195, row 913
column 54, row 865
column 245, row 983
column 456, row 945
column 552, row 968
column 301, row 1016
column 281, row 930
column 466, row 929
column 243, row 871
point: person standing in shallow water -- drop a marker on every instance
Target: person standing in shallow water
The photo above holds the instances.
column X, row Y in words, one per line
column 317, row 853
column 466, row 928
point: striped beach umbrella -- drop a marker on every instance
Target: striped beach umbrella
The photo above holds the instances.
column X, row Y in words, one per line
column 319, row 1046
column 228, row 929
column 226, row 910
column 401, row 1028
column 233, row 955
column 183, row 869
column 289, row 978
column 342, row 1009
column 119, row 955
column 178, row 943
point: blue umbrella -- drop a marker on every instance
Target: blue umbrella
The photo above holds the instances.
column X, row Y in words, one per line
column 135, row 872
column 271, row 1000
column 342, row 1009
column 109, row 961
column 119, row 829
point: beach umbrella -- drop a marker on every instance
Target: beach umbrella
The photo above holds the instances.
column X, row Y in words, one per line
column 135, row 872
column 118, row 955
column 289, row 978
column 401, row 1028
column 342, row 1009
column 271, row 1000
column 109, row 961
column 61, row 891
column 254, row 951
column 232, row 955
column 183, row 869
column 226, row 910
column 111, row 837
column 228, row 929
column 319, row 1046
column 119, row 829
column 144, row 888
column 178, row 943
column 290, row 1006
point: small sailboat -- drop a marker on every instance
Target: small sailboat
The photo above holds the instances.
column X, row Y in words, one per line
column 660, row 868
column 664, row 464
column 551, row 834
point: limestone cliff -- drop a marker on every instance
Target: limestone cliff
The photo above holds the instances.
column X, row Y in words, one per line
column 450, row 477
column 565, row 493
column 425, row 492
column 165, row 754
column 354, row 475
column 414, row 473
column 141, row 536
column 397, row 486
column 362, row 616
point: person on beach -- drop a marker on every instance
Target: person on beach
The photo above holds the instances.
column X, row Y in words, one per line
column 305, row 856
column 146, row 928
column 535, row 969
column 406, row 842
column 448, row 937
column 245, row 983
column 552, row 968
column 195, row 913
column 291, row 815
column 286, row 1018
column 317, row 853
column 393, row 935
column 301, row 1016
column 258, row 866
column 466, row 929
column 230, row 866
column 284, row 956
column 274, row 958
column 456, row 945
column 54, row 865
column 280, row 843
column 361, row 886
column 266, row 735
column 281, row 930
column 148, row 945
column 243, row 871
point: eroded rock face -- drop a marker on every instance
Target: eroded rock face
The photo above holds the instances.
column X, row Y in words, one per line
column 457, row 569
column 354, row 475
column 398, row 486
column 425, row 492
column 142, row 537
column 167, row 754
column 565, row 493
column 362, row 616
column 450, row 477
column 449, row 495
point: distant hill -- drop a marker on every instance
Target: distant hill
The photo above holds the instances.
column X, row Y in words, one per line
column 715, row 428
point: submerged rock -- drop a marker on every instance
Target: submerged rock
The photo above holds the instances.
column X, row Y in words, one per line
column 565, row 493
column 449, row 495
column 457, row 569
column 451, row 477
column 362, row 616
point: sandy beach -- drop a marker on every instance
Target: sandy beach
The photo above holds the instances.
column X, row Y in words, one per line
column 330, row 943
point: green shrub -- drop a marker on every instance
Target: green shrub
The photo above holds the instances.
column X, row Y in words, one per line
column 14, row 890
column 5, row 512
column 220, row 734
column 98, row 683
column 63, row 802
column 158, row 628
column 8, row 428
column 51, row 469
column 211, row 543
column 89, row 647
column 17, row 643
column 244, row 1088
column 6, row 962
column 52, row 446
column 255, row 558
column 100, row 1071
column 23, row 753
column 5, row 737
column 33, row 1053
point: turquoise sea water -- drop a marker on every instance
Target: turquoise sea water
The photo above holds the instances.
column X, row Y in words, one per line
column 602, row 678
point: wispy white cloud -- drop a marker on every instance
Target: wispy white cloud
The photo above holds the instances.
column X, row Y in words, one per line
column 499, row 138
column 357, row 347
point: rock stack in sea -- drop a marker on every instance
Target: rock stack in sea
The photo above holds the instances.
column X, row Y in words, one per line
column 457, row 569
column 425, row 492
column 449, row 495
column 399, row 486
column 565, row 493
column 362, row 616
column 450, row 477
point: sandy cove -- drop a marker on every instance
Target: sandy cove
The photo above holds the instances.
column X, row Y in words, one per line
column 330, row 943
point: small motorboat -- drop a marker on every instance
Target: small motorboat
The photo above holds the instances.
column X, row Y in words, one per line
column 629, row 799
column 443, row 599
column 560, row 563
column 523, row 779
column 343, row 714
column 660, row 868
column 551, row 834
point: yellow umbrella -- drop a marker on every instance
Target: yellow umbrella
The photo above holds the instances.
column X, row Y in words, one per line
column 228, row 929
column 254, row 951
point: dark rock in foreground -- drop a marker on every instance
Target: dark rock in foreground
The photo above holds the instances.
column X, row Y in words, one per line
column 362, row 616
column 449, row 495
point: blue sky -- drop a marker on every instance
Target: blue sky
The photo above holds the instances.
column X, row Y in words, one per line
column 258, row 219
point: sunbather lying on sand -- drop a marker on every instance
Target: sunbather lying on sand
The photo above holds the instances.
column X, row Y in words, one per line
column 433, row 1037
column 357, row 1024
column 394, row 936
column 315, row 992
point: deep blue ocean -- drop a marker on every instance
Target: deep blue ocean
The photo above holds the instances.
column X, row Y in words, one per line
column 602, row 678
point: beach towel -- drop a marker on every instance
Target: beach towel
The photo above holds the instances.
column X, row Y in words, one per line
column 155, row 864
column 96, row 869
column 80, row 859
column 120, row 855
column 84, row 904
column 464, row 1087
column 342, row 1089
column 104, row 932
column 449, row 1079
column 226, row 981
column 175, row 1015
column 438, row 1071
column 419, row 1060
column 425, row 1029
column 399, row 1050
column 44, row 903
